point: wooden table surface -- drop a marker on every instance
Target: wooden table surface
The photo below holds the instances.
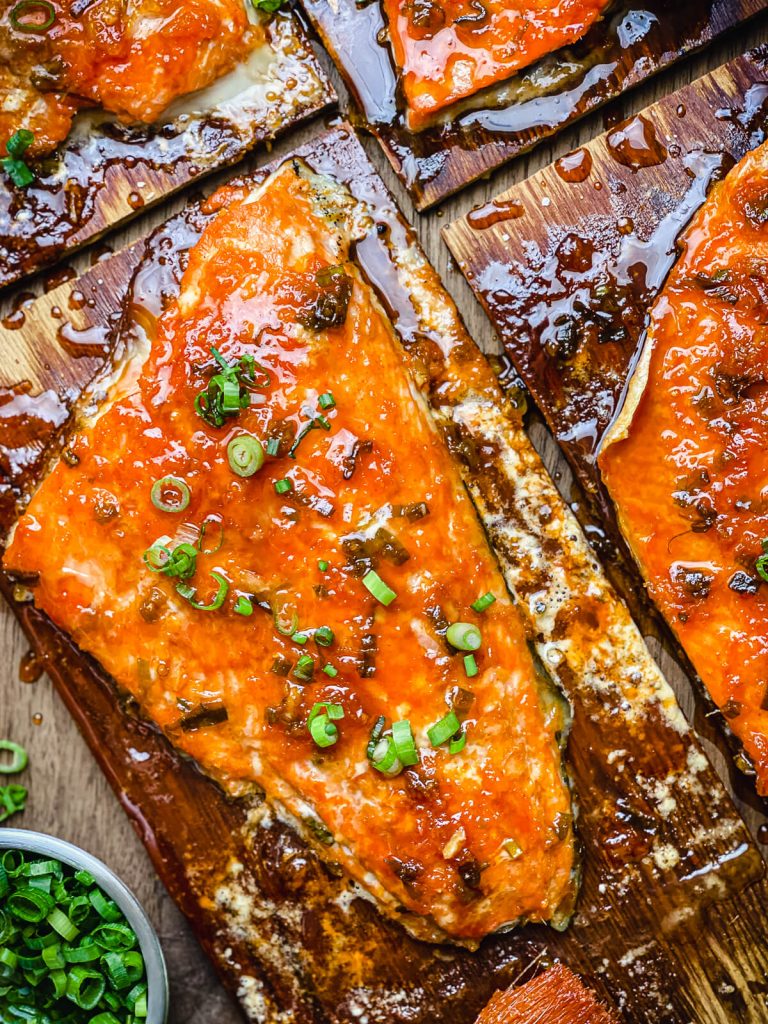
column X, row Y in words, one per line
column 68, row 795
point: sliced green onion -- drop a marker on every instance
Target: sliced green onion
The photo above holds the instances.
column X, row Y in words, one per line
column 245, row 455
column 61, row 924
column 458, row 743
column 300, row 638
column 322, row 730
column 243, row 606
column 384, row 757
column 324, row 636
column 13, row 164
column 483, row 602
column 322, row 565
column 273, row 446
column 405, row 745
column 464, row 636
column 762, row 562
column 170, row 494
column 85, row 987
column 29, row 9
column 181, row 562
column 326, row 401
column 376, row 733
column 443, row 730
column 470, row 665
column 30, row 904
column 190, row 594
column 305, row 668
column 283, row 486
column 19, row 758
column 330, row 671
column 376, row 586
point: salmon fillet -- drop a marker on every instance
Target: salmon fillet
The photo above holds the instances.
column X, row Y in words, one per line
column 129, row 57
column 694, row 432
column 447, row 51
column 333, row 577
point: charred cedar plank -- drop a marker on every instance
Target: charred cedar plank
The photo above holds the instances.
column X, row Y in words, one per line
column 567, row 271
column 668, row 939
column 555, row 997
column 634, row 40
column 107, row 172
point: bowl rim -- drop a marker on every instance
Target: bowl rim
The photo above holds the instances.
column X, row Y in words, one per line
column 157, row 974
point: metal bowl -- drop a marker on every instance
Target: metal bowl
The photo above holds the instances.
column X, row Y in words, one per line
column 58, row 849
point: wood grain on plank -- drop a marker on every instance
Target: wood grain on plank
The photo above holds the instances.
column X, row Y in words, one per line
column 634, row 40
column 568, row 262
column 650, row 934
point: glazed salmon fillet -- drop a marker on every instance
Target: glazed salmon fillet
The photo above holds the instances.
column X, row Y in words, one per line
column 132, row 58
column 447, row 51
column 687, row 462
column 339, row 634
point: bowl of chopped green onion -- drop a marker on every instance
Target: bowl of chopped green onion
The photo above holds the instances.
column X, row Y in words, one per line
column 76, row 946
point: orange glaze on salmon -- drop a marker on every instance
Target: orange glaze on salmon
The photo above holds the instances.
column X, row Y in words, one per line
column 470, row 841
column 687, row 463
column 449, row 50
column 132, row 58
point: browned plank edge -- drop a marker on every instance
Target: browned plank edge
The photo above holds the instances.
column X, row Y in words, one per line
column 109, row 176
column 436, row 163
column 515, row 945
column 659, row 200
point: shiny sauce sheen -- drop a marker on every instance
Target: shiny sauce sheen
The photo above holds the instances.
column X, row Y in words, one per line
column 697, row 441
column 447, row 51
column 470, row 840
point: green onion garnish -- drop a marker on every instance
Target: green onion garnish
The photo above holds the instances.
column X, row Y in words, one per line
column 444, row 729
column 458, row 743
column 243, row 606
column 326, row 401
column 300, row 638
column 322, row 565
column 330, row 671
column 464, row 636
column 190, row 594
column 180, row 563
column 13, row 799
column 762, row 562
column 324, row 636
column 13, row 164
column 33, row 16
column 483, row 602
column 273, row 446
column 283, row 486
column 470, row 665
column 245, row 454
column 321, row 723
column 376, row 585
column 170, row 494
column 52, row 967
column 19, row 758
column 226, row 393
column 305, row 668
column 384, row 757
column 405, row 745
